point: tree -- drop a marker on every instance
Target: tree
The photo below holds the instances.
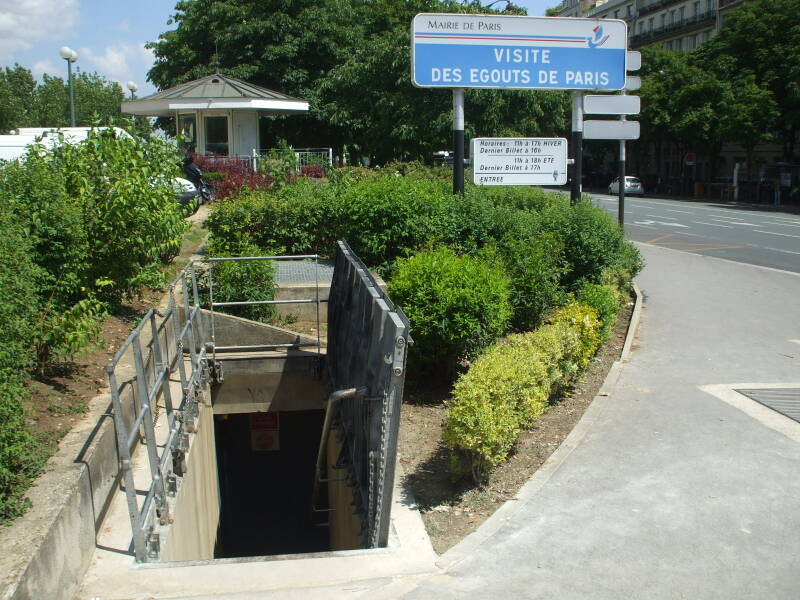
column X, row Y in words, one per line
column 17, row 89
column 352, row 62
column 97, row 100
column 761, row 39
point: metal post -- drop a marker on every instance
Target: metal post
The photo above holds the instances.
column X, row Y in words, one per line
column 621, row 209
column 458, row 141
column 577, row 147
column 71, row 95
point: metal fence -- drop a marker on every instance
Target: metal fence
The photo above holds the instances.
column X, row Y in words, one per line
column 148, row 411
column 157, row 347
column 367, row 341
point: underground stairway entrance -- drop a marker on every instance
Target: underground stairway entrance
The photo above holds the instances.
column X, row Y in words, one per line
column 261, row 441
column 266, row 470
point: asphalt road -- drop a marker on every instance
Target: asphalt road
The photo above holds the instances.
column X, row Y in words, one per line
column 742, row 233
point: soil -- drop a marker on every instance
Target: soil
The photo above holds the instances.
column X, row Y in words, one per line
column 452, row 508
column 60, row 397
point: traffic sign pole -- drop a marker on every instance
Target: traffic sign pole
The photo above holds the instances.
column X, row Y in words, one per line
column 576, row 149
column 621, row 207
column 458, row 141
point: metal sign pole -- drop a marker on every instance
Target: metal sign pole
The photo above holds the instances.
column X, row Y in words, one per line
column 577, row 146
column 458, row 141
column 621, row 207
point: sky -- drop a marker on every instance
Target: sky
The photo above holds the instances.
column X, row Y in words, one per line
column 108, row 35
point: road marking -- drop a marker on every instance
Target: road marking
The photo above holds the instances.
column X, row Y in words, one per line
column 781, row 224
column 651, row 222
column 643, row 226
column 795, row 341
column 776, row 233
column 737, row 222
column 712, row 224
column 658, row 239
column 688, row 212
column 662, row 217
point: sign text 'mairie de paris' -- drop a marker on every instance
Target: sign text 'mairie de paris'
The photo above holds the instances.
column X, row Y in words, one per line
column 519, row 161
column 486, row 51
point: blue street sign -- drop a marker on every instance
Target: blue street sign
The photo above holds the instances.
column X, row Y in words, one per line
column 488, row 51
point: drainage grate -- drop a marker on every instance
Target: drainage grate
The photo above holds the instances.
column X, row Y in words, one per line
column 783, row 400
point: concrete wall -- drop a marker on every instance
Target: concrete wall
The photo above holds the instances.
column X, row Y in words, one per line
column 193, row 532
column 261, row 384
column 47, row 551
column 344, row 524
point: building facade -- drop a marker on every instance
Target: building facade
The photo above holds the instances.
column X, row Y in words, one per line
column 673, row 24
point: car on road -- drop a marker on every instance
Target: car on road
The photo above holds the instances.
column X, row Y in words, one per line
column 633, row 187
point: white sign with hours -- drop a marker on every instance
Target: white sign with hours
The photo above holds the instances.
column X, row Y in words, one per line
column 519, row 161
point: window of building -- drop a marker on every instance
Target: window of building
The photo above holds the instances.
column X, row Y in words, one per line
column 696, row 8
column 683, row 13
column 663, row 19
column 650, row 23
column 217, row 135
column 709, row 5
column 616, row 14
column 630, row 10
column 672, row 16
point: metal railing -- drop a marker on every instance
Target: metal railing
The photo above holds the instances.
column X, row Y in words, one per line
column 158, row 348
column 263, row 347
column 158, row 356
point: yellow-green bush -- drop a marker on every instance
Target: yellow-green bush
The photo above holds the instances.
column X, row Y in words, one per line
column 509, row 386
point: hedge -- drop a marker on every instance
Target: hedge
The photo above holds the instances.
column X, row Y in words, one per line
column 509, row 386
column 456, row 305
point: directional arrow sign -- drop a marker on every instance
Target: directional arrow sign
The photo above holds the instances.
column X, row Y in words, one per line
column 633, row 60
column 611, row 105
column 611, row 130
column 633, row 83
column 519, row 161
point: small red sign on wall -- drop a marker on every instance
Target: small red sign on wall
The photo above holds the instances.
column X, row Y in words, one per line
column 265, row 432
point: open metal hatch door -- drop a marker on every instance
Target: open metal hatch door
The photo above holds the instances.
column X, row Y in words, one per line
column 367, row 341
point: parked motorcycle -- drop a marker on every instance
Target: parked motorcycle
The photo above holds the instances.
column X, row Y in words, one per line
column 195, row 175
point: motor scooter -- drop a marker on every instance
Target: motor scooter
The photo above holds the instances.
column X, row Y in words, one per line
column 195, row 175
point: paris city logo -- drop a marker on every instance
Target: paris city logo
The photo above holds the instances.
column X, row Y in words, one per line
column 599, row 39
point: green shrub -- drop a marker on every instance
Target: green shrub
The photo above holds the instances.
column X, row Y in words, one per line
column 509, row 386
column 535, row 266
column 592, row 239
column 606, row 300
column 583, row 318
column 239, row 281
column 456, row 304
column 20, row 453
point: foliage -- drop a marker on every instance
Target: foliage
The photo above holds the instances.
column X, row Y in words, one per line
column 509, row 386
column 312, row 171
column 26, row 103
column 592, row 240
column 238, row 281
column 344, row 58
column 606, row 300
column 20, row 454
column 100, row 217
column 279, row 164
column 231, row 175
column 584, row 319
column 535, row 266
column 760, row 43
column 457, row 304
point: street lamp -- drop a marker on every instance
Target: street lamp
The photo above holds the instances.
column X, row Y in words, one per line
column 133, row 88
column 69, row 55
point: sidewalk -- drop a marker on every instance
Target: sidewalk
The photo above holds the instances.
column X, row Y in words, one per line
column 672, row 492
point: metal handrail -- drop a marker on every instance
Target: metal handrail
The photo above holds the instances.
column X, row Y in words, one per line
column 164, row 460
column 263, row 347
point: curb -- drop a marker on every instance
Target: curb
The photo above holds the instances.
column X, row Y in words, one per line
column 538, row 480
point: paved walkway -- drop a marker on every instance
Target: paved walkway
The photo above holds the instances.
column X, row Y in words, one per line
column 672, row 492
